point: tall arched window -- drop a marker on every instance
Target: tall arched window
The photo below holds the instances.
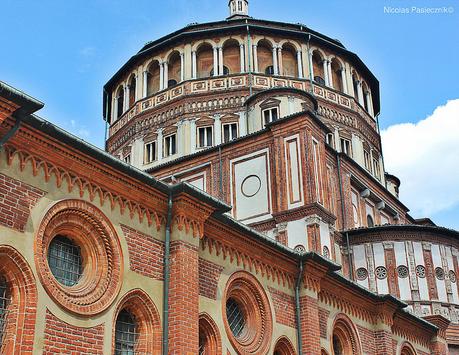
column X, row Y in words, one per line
column 120, row 102
column 132, row 90
column 407, row 349
column 344, row 337
column 205, row 60
column 284, row 347
column 265, row 57
column 209, row 337
column 231, row 57
column 153, row 81
column 337, row 78
column 4, row 302
column 174, row 69
column 289, row 61
column 126, row 334
column 318, row 67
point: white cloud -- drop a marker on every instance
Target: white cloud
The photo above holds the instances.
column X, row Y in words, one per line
column 425, row 156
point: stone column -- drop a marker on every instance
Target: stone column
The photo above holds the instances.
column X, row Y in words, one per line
column 215, row 61
column 313, row 234
column 325, row 67
column 241, row 54
column 344, row 80
column 126, row 98
column 145, row 84
column 311, row 66
column 330, row 74
column 300, row 64
column 182, row 67
column 255, row 58
column 275, row 63
column 370, row 104
column 115, row 108
column 360, row 93
column 220, row 60
column 194, row 65
column 180, row 138
column 217, row 129
column 192, row 135
column 161, row 76
column 166, row 75
column 159, row 144
column 280, row 59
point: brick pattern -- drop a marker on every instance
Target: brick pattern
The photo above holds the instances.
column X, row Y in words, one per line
column 209, row 274
column 146, row 254
column 63, row 338
column 184, row 299
column 284, row 306
column 16, row 200
column 323, row 318
column 309, row 317
column 392, row 276
column 433, row 293
column 367, row 338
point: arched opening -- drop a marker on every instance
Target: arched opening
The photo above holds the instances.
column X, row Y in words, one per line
column 126, row 333
column 370, row 221
column 407, row 349
column 344, row 337
column 284, row 347
column 120, row 102
column 337, row 68
column 232, row 56
column 289, row 61
column 18, row 297
column 205, row 60
column 132, row 90
column 137, row 325
column 365, row 96
column 318, row 67
column 174, row 69
column 355, row 84
column 209, row 337
column 265, row 57
column 153, row 74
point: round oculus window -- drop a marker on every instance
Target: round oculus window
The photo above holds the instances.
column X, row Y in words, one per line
column 235, row 317
column 65, row 261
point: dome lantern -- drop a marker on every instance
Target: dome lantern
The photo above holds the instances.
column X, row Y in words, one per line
column 238, row 8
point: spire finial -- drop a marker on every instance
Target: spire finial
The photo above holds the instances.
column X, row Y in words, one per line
column 238, row 8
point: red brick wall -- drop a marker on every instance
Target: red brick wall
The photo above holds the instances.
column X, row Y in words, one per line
column 284, row 306
column 209, row 274
column 184, row 299
column 63, row 338
column 16, row 201
column 367, row 338
column 309, row 316
column 323, row 317
column 146, row 254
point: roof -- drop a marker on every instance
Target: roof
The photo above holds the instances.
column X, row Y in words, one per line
column 404, row 228
column 246, row 24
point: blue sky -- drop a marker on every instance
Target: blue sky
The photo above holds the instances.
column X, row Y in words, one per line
column 63, row 52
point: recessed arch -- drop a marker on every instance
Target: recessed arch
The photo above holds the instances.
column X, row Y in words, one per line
column 232, row 55
column 344, row 337
column 407, row 349
column 132, row 83
column 120, row 101
column 174, row 68
column 337, row 67
column 265, row 56
column 284, row 347
column 209, row 336
column 291, row 44
column 318, row 66
column 205, row 59
column 153, row 77
column 138, row 304
column 289, row 60
column 22, row 294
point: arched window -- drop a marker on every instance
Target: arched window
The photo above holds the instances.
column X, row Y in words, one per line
column 284, row 347
column 365, row 96
column 120, row 102
column 209, row 337
column 132, row 90
column 370, row 222
column 318, row 67
column 126, row 334
column 337, row 78
column 4, row 302
column 355, row 84
column 231, row 57
column 153, row 74
column 289, row 61
column 344, row 337
column 407, row 349
column 174, row 69
column 205, row 60
column 265, row 57
column 225, row 71
column 65, row 260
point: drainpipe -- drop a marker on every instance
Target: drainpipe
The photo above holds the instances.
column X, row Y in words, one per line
column 297, row 306
column 10, row 133
column 167, row 248
column 343, row 217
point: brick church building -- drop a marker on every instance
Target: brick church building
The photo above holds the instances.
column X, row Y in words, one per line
column 241, row 206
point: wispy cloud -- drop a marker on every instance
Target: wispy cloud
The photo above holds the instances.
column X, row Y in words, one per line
column 425, row 156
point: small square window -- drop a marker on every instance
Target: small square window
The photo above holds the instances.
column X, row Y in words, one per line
column 330, row 139
column 346, row 146
column 127, row 159
column 205, row 137
column 376, row 168
column 170, row 145
column 366, row 156
column 150, row 153
column 229, row 132
column 270, row 115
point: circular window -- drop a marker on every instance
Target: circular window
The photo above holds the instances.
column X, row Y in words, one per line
column 300, row 249
column 78, row 257
column 452, row 276
column 251, row 186
column 402, row 271
column 326, row 252
column 361, row 274
column 65, row 262
column 421, row 271
column 247, row 314
column 381, row 272
column 439, row 273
